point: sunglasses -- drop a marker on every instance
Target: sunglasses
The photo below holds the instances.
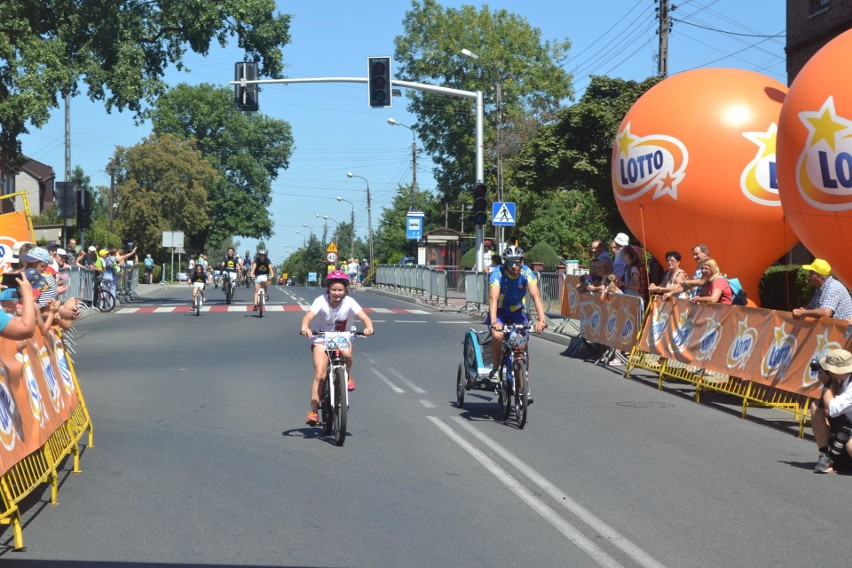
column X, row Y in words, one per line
column 513, row 263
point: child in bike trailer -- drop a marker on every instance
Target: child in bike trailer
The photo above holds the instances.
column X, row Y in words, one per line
column 507, row 287
column 333, row 311
column 198, row 280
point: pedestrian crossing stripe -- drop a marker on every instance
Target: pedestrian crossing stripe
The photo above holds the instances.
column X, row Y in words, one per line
column 247, row 308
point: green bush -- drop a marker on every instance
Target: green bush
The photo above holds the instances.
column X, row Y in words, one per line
column 468, row 259
column 785, row 287
column 545, row 254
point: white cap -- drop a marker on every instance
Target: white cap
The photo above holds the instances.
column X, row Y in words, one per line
column 621, row 239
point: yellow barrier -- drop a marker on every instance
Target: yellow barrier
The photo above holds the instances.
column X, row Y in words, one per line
column 41, row 466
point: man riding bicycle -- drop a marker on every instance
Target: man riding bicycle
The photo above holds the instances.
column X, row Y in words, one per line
column 261, row 271
column 231, row 266
column 508, row 284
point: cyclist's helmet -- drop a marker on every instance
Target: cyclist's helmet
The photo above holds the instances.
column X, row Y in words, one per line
column 261, row 252
column 513, row 253
column 337, row 276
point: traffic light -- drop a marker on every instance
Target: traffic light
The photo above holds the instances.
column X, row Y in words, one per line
column 480, row 203
column 379, row 81
column 66, row 198
column 84, row 209
column 246, row 97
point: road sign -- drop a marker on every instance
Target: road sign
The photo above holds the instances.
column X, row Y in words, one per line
column 332, row 248
column 503, row 214
column 331, row 257
column 414, row 225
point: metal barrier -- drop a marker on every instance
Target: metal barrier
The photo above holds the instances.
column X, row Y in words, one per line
column 81, row 284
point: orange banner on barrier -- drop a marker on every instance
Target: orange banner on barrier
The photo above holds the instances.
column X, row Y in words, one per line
column 14, row 228
column 571, row 297
column 764, row 346
column 37, row 395
column 614, row 322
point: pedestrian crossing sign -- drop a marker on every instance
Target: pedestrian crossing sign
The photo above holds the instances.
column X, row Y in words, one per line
column 503, row 214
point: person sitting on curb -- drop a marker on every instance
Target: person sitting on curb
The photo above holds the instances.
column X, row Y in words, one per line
column 831, row 414
column 830, row 300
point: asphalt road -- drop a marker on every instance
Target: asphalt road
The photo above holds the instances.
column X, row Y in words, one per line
column 202, row 458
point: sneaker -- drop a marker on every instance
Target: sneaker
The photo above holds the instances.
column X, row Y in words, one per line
column 312, row 419
column 824, row 465
column 494, row 376
column 350, row 384
column 254, row 308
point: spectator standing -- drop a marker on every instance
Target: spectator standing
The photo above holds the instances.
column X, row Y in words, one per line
column 601, row 265
column 830, row 300
column 674, row 278
column 716, row 289
column 617, row 245
column 149, row 268
column 693, row 285
column 831, row 414
column 631, row 285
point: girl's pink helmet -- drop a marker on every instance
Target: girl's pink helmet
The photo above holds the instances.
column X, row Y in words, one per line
column 337, row 275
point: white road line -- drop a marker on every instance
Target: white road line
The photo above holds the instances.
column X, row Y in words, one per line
column 407, row 381
column 427, row 403
column 410, row 321
column 393, row 387
column 599, row 526
column 465, row 322
column 567, row 529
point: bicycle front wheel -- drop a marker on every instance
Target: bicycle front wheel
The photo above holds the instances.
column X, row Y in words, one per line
column 520, row 400
column 261, row 302
column 198, row 304
column 105, row 301
column 228, row 292
column 326, row 407
column 339, row 406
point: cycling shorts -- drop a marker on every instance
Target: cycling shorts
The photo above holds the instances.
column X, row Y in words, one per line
column 199, row 285
column 231, row 274
column 261, row 278
column 506, row 317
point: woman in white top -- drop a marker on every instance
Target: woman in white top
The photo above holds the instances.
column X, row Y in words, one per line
column 333, row 311
column 675, row 277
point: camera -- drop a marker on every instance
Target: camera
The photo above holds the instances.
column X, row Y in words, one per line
column 837, row 445
column 815, row 366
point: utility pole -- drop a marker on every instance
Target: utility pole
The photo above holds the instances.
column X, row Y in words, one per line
column 499, row 97
column 413, row 171
column 68, row 163
column 663, row 32
column 112, row 194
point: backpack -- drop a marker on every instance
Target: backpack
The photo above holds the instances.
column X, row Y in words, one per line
column 739, row 295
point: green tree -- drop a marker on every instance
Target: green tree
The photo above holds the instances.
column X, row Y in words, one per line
column 565, row 170
column 390, row 242
column 248, row 149
column 512, row 54
column 163, row 184
column 119, row 49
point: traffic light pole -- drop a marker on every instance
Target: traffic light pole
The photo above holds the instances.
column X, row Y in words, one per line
column 474, row 95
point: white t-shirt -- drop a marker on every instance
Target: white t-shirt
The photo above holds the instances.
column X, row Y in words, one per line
column 334, row 319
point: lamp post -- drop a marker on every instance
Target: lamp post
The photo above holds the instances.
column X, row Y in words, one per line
column 498, row 96
column 326, row 219
column 303, row 238
column 352, row 220
column 369, row 217
column 395, row 122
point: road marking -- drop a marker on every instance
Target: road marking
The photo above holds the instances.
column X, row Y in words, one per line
column 405, row 380
column 427, row 403
column 393, row 387
column 411, row 321
column 567, row 529
column 599, row 526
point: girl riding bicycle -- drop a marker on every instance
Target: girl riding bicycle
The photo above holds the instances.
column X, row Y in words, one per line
column 334, row 311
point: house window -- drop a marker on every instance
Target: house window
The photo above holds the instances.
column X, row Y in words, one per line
column 818, row 7
column 7, row 184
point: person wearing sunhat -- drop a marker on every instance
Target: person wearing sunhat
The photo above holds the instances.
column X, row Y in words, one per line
column 831, row 298
column 831, row 414
column 47, row 283
column 619, row 267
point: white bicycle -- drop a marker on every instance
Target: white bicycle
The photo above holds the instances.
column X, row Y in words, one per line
column 261, row 293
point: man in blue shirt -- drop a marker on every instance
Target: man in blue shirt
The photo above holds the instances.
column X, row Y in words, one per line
column 508, row 285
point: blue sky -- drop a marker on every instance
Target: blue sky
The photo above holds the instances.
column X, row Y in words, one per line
column 336, row 132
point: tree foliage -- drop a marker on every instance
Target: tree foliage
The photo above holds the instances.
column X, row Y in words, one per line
column 163, row 184
column 530, row 71
column 565, row 170
column 247, row 149
column 390, row 241
column 119, row 49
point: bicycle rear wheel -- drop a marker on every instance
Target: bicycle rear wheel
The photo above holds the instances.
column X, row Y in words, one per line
column 339, row 406
column 460, row 380
column 520, row 406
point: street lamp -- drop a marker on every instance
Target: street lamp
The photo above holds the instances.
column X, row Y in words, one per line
column 352, row 241
column 325, row 225
column 303, row 237
column 369, row 217
column 395, row 122
column 498, row 95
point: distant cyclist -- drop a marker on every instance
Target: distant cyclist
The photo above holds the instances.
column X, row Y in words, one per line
column 231, row 266
column 507, row 287
column 334, row 311
column 198, row 280
column 261, row 271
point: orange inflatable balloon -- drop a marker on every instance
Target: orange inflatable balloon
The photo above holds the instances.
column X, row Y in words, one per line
column 815, row 156
column 694, row 163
